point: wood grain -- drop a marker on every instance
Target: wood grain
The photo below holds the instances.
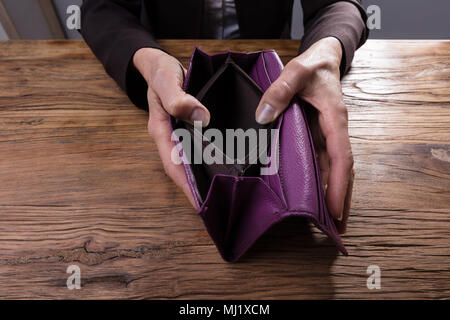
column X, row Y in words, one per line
column 81, row 183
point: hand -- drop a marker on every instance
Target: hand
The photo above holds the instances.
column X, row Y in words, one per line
column 164, row 76
column 314, row 76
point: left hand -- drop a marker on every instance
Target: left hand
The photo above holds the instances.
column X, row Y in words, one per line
column 314, row 76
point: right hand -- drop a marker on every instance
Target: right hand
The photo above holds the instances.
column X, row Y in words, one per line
column 164, row 75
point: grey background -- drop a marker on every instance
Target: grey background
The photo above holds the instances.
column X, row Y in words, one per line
column 27, row 18
column 3, row 35
column 400, row 19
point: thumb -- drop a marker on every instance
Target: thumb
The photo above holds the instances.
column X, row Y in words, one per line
column 281, row 92
column 177, row 102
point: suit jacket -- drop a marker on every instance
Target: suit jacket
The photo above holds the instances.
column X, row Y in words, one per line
column 116, row 29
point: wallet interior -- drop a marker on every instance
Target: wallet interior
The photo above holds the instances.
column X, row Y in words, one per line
column 231, row 97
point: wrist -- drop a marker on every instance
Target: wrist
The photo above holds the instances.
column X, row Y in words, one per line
column 145, row 59
column 334, row 48
column 325, row 54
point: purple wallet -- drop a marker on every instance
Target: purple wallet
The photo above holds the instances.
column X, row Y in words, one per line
column 236, row 202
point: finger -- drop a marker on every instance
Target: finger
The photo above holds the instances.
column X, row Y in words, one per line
column 319, row 143
column 324, row 165
column 167, row 85
column 341, row 160
column 342, row 225
column 278, row 96
column 159, row 128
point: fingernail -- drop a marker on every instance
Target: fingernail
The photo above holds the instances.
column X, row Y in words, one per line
column 199, row 115
column 267, row 114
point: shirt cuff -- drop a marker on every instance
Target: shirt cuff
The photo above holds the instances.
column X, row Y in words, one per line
column 344, row 21
column 120, row 66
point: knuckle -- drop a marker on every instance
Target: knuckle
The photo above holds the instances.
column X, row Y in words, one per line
column 296, row 66
column 344, row 159
column 351, row 161
column 348, row 160
column 159, row 74
column 175, row 107
column 166, row 169
column 338, row 115
column 281, row 89
column 152, row 129
column 342, row 109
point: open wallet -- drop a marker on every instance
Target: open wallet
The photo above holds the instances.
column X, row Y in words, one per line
column 235, row 200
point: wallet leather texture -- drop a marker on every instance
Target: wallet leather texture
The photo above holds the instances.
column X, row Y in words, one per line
column 236, row 203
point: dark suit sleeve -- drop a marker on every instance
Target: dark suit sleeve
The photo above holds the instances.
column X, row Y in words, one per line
column 113, row 30
column 344, row 20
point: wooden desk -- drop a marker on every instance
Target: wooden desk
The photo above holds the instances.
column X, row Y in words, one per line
column 81, row 183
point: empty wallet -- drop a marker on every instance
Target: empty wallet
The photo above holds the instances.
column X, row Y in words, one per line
column 236, row 202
